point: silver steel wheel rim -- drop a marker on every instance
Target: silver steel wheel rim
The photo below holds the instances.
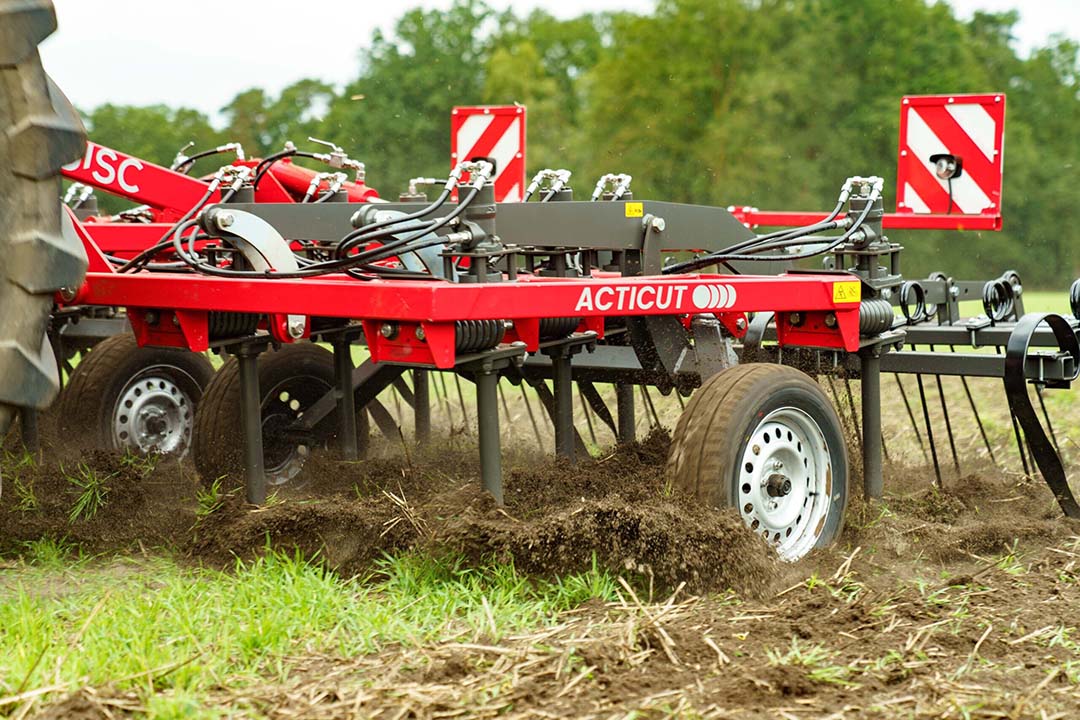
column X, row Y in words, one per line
column 785, row 482
column 153, row 415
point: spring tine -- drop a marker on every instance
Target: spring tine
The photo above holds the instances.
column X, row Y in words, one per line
column 682, row 403
column 978, row 418
column 652, row 409
column 588, row 415
column 884, row 447
column 444, row 401
column 854, row 411
column 911, row 416
column 1046, row 416
column 948, row 423
column 461, row 401
column 532, row 418
column 1020, row 444
column 929, row 429
column 505, row 407
column 397, row 404
column 836, row 397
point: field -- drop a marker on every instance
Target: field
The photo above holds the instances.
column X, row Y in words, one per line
column 393, row 588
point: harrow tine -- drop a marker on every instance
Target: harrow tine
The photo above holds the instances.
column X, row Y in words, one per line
column 588, row 415
column 532, row 417
column 948, row 423
column 978, row 418
column 596, row 402
column 929, row 428
column 461, row 401
column 655, row 421
column 854, row 412
column 682, row 403
column 1020, row 444
column 443, row 398
column 884, row 447
column 1046, row 416
column 505, row 407
column 911, row 416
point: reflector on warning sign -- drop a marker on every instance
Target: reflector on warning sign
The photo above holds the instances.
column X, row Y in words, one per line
column 495, row 133
column 951, row 154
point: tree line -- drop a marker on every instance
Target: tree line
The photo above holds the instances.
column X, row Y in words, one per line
column 770, row 103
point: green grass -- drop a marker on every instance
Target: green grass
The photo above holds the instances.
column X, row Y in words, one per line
column 152, row 625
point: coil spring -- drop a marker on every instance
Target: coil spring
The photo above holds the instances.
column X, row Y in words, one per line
column 478, row 335
column 557, row 328
column 913, row 290
column 223, row 325
column 1074, row 299
column 875, row 317
column 999, row 296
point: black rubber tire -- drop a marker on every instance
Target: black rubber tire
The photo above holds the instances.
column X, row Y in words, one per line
column 218, row 443
column 89, row 402
column 712, row 435
column 39, row 132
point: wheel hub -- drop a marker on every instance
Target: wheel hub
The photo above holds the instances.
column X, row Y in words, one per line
column 153, row 415
column 783, row 481
column 285, row 454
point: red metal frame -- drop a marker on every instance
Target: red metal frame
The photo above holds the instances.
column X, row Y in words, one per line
column 173, row 309
column 752, row 217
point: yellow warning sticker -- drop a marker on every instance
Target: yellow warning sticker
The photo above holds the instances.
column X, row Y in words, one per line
column 848, row 291
column 635, row 209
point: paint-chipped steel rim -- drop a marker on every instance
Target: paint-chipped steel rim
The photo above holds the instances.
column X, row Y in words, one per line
column 154, row 414
column 785, row 481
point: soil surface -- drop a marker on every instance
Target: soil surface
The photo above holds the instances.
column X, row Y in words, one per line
column 941, row 602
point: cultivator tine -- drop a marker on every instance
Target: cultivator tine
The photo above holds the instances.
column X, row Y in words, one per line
column 975, row 412
column 382, row 417
column 588, row 415
column 911, row 416
column 422, row 406
column 948, row 423
column 532, row 417
column 854, row 411
column 594, row 400
column 547, row 397
column 1020, row 444
column 655, row 420
column 444, row 399
column 505, row 407
column 929, row 428
column 1046, row 416
column 1043, row 453
column 624, row 407
column 461, row 402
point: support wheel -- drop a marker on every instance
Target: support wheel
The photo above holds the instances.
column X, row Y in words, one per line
column 765, row 439
column 291, row 380
column 141, row 399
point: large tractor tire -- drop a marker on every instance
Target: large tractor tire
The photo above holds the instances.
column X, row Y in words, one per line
column 765, row 439
column 39, row 132
column 290, row 381
column 138, row 399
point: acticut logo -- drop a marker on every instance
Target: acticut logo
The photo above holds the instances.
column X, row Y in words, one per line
column 628, row 298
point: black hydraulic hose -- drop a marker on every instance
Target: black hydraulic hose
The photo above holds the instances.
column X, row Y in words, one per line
column 359, row 236
column 185, row 167
column 165, row 241
column 264, row 165
column 727, row 255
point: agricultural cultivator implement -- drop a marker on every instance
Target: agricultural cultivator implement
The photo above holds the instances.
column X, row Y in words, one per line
column 495, row 278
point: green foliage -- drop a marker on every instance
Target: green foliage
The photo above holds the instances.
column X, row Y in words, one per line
column 194, row 630
column 758, row 102
column 93, row 492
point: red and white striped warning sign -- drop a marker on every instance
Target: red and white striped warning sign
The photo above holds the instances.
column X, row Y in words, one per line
column 951, row 154
column 496, row 134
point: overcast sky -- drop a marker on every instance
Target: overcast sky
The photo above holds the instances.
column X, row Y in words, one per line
column 137, row 52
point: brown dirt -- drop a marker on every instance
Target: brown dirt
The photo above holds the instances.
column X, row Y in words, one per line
column 899, row 607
